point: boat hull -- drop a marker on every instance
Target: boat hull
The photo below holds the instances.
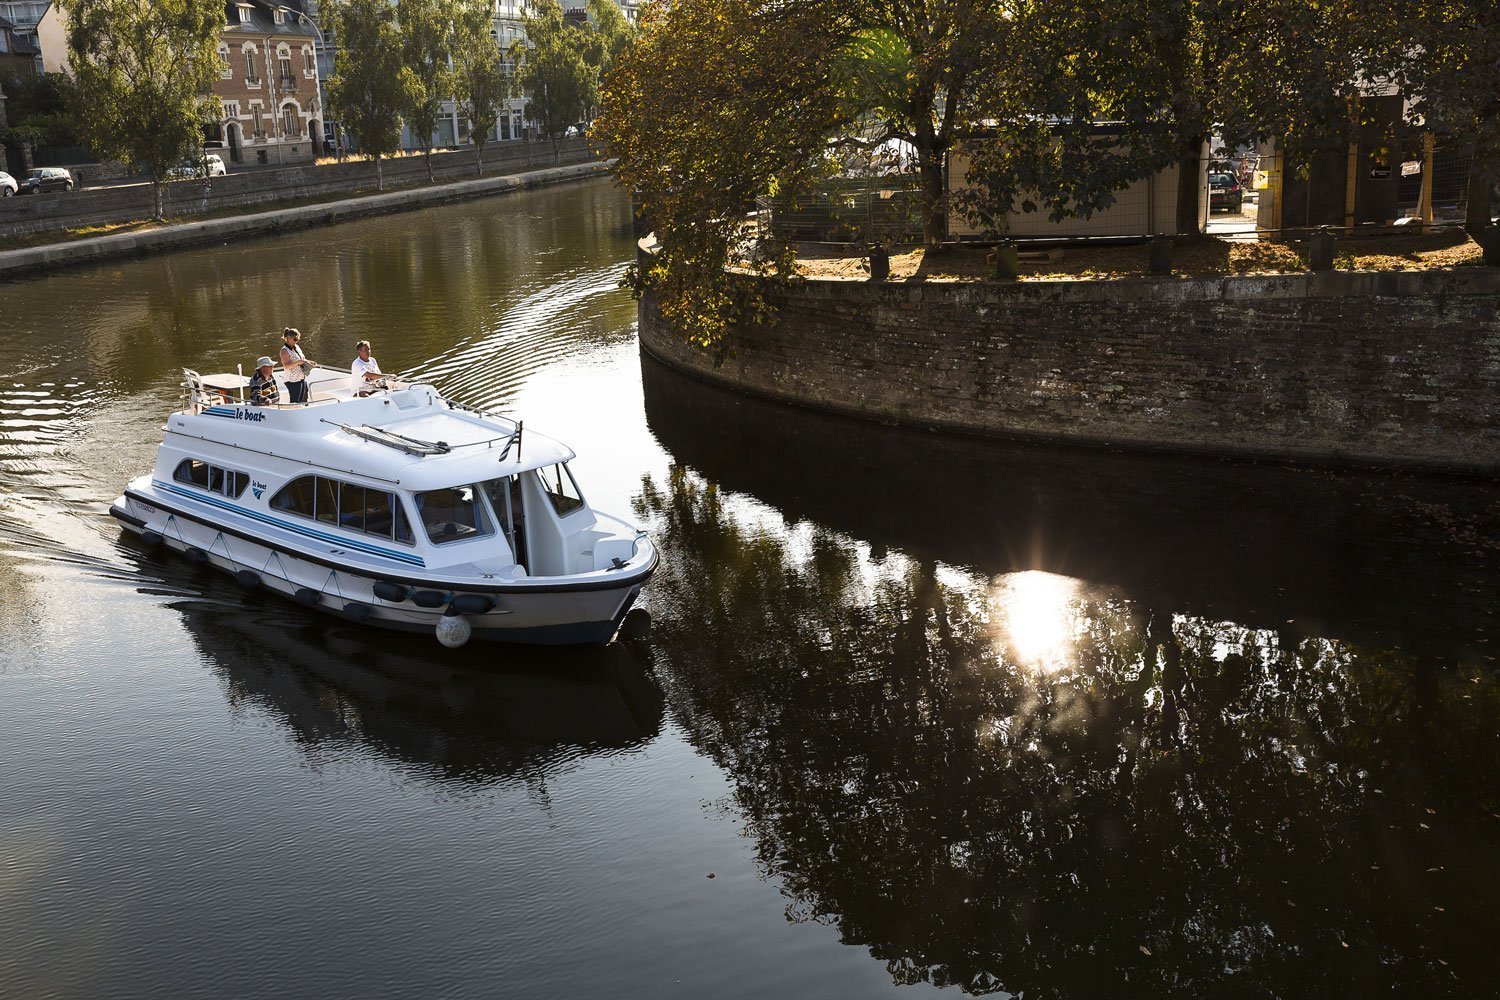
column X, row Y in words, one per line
column 549, row 611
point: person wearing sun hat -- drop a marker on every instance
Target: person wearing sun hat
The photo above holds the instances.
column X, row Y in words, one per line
column 263, row 390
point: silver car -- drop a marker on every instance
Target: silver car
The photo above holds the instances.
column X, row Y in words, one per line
column 8, row 185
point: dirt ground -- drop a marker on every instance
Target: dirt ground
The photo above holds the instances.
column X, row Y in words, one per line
column 1207, row 257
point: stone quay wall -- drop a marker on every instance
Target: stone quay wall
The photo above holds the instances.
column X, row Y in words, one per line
column 1394, row 369
column 247, row 188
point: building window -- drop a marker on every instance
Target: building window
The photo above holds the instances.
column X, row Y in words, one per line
column 226, row 70
column 290, row 126
column 260, row 130
column 244, row 9
column 280, row 15
column 309, row 64
column 284, row 61
column 252, row 74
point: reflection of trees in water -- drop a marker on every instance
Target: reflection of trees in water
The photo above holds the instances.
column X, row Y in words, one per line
column 1252, row 810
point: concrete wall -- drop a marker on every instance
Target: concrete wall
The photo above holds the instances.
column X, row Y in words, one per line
column 1392, row 369
column 35, row 260
column 38, row 213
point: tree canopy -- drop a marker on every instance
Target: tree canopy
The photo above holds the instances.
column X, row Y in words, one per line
column 427, row 42
column 1057, row 105
column 142, row 78
column 553, row 70
column 480, row 83
column 372, row 86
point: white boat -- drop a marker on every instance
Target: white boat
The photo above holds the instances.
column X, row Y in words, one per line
column 397, row 509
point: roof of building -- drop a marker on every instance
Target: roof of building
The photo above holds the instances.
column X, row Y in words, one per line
column 263, row 19
column 20, row 44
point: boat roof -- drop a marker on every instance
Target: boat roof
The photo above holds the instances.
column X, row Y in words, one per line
column 410, row 435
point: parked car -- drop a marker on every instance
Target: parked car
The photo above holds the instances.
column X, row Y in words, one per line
column 210, row 165
column 8, row 185
column 46, row 179
column 1225, row 193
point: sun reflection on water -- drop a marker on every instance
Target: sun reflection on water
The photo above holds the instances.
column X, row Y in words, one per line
column 1037, row 618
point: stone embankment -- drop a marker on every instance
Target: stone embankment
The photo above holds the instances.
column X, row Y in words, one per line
column 1397, row 369
column 258, row 186
column 15, row 263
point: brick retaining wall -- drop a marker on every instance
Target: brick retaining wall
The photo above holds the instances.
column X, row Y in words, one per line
column 94, row 207
column 1389, row 369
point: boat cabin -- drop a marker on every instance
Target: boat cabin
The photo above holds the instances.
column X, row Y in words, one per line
column 396, row 478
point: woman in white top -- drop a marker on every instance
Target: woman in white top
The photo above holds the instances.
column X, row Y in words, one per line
column 366, row 370
column 294, row 365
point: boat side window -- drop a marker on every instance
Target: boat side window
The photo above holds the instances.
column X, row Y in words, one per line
column 452, row 514
column 225, row 482
column 558, row 484
column 357, row 508
column 328, row 500
column 297, row 496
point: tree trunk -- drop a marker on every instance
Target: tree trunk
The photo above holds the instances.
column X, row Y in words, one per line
column 478, row 159
column 934, row 206
column 556, row 154
column 1477, row 215
column 1189, row 191
column 158, row 213
column 379, row 177
column 430, row 178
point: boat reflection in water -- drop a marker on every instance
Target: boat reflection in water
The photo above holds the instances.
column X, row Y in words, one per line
column 1075, row 749
column 414, row 703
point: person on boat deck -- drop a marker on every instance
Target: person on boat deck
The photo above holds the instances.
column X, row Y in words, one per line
column 294, row 365
column 365, row 369
column 263, row 391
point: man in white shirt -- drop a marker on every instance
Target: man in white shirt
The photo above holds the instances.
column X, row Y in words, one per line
column 366, row 370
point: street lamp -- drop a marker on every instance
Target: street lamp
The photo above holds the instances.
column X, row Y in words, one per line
column 303, row 17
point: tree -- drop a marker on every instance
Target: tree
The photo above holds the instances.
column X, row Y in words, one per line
column 553, row 72
column 426, row 33
column 1447, row 58
column 371, row 84
column 608, row 34
column 718, row 102
column 142, row 78
column 480, row 82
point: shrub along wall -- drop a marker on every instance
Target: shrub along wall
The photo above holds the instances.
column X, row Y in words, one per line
column 1388, row 369
column 247, row 188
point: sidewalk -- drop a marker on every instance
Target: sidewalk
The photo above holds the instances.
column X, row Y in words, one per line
column 31, row 260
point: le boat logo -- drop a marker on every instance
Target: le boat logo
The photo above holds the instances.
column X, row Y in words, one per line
column 250, row 415
column 257, row 488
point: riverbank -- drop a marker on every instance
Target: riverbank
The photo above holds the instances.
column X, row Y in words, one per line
column 1367, row 369
column 34, row 260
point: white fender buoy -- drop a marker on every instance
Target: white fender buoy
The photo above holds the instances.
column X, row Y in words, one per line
column 453, row 629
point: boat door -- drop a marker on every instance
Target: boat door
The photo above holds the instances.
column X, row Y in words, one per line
column 505, row 500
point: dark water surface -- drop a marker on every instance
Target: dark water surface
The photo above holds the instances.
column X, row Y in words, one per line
column 932, row 712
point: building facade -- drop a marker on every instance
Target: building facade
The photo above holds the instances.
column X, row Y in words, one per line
column 19, row 54
column 269, row 86
column 23, row 17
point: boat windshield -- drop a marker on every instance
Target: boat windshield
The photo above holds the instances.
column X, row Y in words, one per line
column 453, row 514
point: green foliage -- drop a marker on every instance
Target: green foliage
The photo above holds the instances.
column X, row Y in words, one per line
column 717, row 102
column 37, row 108
column 609, row 33
column 372, row 87
column 143, row 75
column 480, row 83
column 426, row 28
column 553, row 71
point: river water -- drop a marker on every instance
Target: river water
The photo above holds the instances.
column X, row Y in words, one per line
column 918, row 713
